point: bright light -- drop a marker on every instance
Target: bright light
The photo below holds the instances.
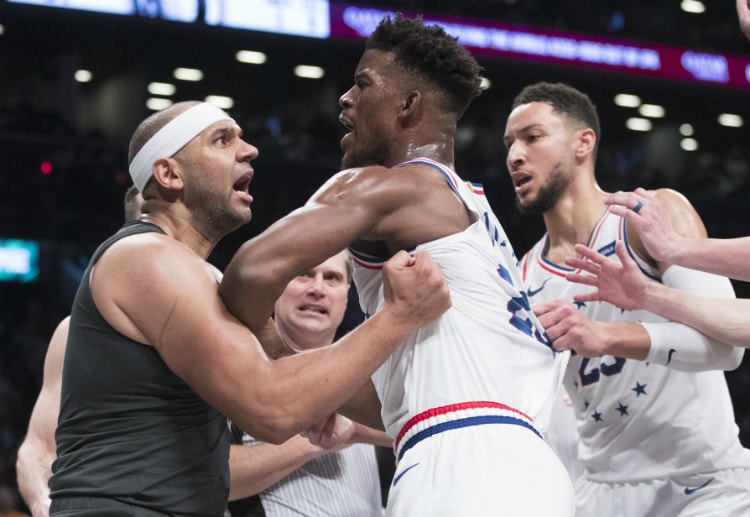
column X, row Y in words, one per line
column 83, row 76
column 730, row 120
column 220, row 101
column 165, row 89
column 651, row 110
column 693, row 6
column 155, row 104
column 638, row 124
column 627, row 101
column 251, row 57
column 188, row 74
column 486, row 84
column 686, row 130
column 689, row 144
column 309, row 71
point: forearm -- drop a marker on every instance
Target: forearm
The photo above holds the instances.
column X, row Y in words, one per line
column 364, row 407
column 625, row 339
column 296, row 391
column 254, row 468
column 369, row 435
column 33, row 470
column 723, row 319
column 724, row 257
column 678, row 345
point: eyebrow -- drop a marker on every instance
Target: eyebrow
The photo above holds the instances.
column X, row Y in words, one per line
column 227, row 127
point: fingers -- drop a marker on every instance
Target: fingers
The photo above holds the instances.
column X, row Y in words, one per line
column 626, row 204
column 401, row 260
column 582, row 279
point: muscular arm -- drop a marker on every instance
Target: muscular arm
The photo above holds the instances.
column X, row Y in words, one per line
column 332, row 219
column 141, row 293
column 37, row 452
column 396, row 207
column 666, row 242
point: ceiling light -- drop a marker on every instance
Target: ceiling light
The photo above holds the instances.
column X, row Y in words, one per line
column 730, row 120
column 689, row 144
column 155, row 104
column 651, row 110
column 83, row 76
column 638, row 124
column 188, row 74
column 251, row 57
column 308, row 71
column 165, row 89
column 627, row 101
column 693, row 6
column 220, row 101
column 485, row 84
column 686, row 129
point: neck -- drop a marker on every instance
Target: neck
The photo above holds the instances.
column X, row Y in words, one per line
column 180, row 228
column 572, row 219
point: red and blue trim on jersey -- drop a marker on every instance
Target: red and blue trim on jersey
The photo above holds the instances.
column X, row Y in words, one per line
column 456, row 416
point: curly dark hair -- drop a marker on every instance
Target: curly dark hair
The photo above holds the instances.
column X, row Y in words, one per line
column 433, row 54
column 569, row 102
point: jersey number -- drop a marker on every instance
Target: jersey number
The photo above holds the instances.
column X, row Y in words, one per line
column 592, row 376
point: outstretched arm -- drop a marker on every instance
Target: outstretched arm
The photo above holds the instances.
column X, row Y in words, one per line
column 37, row 452
column 622, row 284
column 725, row 257
column 743, row 14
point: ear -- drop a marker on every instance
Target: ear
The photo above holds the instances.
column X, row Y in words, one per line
column 168, row 173
column 411, row 104
column 586, row 142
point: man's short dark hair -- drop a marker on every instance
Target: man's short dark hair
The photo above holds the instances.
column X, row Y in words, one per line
column 433, row 54
column 574, row 105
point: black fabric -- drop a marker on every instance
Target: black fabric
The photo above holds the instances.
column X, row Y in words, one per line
column 130, row 430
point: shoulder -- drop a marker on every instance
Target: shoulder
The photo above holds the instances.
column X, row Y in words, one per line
column 377, row 184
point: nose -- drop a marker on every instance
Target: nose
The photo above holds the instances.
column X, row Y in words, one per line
column 315, row 285
column 515, row 156
column 248, row 152
column 346, row 101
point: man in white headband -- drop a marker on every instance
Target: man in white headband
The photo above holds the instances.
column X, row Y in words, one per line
column 155, row 363
column 171, row 138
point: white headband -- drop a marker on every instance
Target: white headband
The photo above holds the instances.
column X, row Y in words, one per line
column 171, row 138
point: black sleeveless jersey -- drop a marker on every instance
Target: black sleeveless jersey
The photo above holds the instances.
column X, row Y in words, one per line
column 130, row 430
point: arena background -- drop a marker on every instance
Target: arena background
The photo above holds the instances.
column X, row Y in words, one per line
column 63, row 143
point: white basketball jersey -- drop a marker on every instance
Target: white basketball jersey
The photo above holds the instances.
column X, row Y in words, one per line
column 637, row 420
column 488, row 346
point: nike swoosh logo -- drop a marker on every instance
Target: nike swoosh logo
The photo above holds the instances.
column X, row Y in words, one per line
column 407, row 469
column 669, row 356
column 691, row 490
column 533, row 292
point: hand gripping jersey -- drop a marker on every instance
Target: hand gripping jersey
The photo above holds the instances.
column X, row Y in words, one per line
column 637, row 420
column 486, row 360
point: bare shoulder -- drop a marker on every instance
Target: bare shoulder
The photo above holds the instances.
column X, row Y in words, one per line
column 684, row 218
column 672, row 199
column 141, row 282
